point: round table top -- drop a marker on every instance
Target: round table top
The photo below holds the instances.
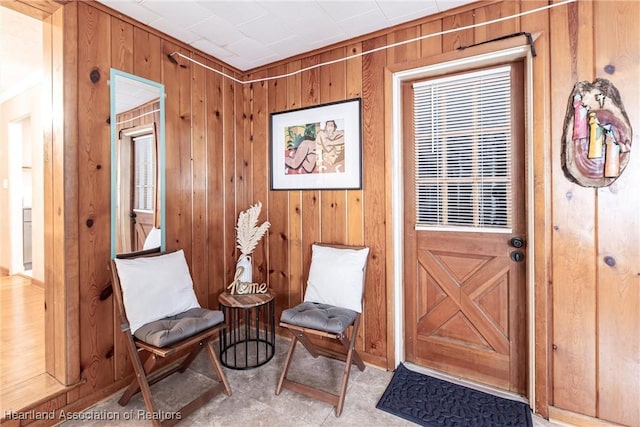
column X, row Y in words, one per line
column 245, row 300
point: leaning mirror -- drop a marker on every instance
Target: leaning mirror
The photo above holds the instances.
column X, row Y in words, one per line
column 137, row 163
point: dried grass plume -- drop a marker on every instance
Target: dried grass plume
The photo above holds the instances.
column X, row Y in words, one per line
column 248, row 234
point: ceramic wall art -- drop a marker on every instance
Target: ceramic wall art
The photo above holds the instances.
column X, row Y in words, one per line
column 596, row 142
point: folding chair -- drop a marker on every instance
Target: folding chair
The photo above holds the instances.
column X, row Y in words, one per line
column 332, row 306
column 161, row 318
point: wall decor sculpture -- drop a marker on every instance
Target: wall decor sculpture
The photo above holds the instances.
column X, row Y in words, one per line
column 596, row 142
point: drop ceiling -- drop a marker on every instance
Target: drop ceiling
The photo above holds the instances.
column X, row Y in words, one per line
column 242, row 33
column 250, row 33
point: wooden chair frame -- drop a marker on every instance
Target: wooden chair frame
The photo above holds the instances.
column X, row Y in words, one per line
column 145, row 357
column 349, row 356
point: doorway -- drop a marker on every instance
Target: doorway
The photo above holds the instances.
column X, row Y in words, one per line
column 438, row 288
column 21, row 170
column 465, row 225
column 22, row 206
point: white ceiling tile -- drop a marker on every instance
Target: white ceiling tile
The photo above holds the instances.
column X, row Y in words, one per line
column 412, row 9
column 265, row 30
column 243, row 62
column 177, row 11
column 341, row 10
column 296, row 12
column 313, row 29
column 235, row 12
column 250, row 48
column 217, row 31
column 363, row 24
column 450, row 4
column 132, row 9
column 169, row 26
column 291, row 44
column 212, row 49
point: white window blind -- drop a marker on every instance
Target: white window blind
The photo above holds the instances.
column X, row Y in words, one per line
column 462, row 134
column 144, row 172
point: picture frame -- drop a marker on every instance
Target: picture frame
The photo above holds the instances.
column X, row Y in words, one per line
column 317, row 148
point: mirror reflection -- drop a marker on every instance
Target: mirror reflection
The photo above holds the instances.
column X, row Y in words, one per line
column 137, row 163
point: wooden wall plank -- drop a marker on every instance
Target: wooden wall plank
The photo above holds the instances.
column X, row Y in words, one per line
column 574, row 293
column 217, row 232
column 96, row 314
column 121, row 45
column 374, row 184
column 355, row 199
column 178, row 151
column 148, row 55
column 405, row 51
column 242, row 150
column 453, row 40
column 310, row 96
column 618, row 290
column 294, row 207
column 259, row 143
column 231, row 90
column 122, row 48
column 278, row 209
column 65, row 256
column 496, row 11
column 200, row 147
column 333, row 209
column 431, row 45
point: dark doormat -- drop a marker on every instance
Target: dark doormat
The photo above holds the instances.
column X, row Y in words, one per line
column 430, row 402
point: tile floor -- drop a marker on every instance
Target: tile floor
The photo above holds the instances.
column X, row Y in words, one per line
column 253, row 402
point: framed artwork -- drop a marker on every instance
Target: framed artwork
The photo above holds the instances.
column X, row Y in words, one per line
column 317, row 147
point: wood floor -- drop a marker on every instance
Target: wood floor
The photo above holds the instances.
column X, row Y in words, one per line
column 23, row 379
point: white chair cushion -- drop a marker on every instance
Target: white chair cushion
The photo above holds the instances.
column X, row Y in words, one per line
column 153, row 240
column 155, row 287
column 335, row 276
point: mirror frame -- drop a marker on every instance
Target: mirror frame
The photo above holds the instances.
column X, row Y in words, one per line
column 161, row 154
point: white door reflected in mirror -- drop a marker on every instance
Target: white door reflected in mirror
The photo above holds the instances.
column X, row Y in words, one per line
column 137, row 163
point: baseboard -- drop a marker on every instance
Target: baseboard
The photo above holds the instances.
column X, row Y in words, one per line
column 38, row 283
column 564, row 417
column 4, row 271
column 34, row 281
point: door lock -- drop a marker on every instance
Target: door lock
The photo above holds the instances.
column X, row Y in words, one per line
column 516, row 242
column 517, row 256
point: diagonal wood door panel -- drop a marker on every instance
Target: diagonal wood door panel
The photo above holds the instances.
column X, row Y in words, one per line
column 465, row 315
column 462, row 299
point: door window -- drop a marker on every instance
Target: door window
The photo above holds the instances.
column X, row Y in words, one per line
column 144, row 169
column 462, row 133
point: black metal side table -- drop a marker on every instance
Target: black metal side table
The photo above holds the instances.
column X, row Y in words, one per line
column 250, row 337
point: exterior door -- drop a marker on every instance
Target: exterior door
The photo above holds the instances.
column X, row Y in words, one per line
column 465, row 226
column 143, row 190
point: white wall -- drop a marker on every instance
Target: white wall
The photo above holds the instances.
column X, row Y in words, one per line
column 27, row 104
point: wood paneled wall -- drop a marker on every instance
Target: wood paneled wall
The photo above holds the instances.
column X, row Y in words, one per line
column 218, row 164
column 596, row 306
column 200, row 172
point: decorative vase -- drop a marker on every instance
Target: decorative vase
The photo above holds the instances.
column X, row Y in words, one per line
column 245, row 262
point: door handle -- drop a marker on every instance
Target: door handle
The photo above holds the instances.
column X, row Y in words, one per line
column 517, row 256
column 517, row 242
